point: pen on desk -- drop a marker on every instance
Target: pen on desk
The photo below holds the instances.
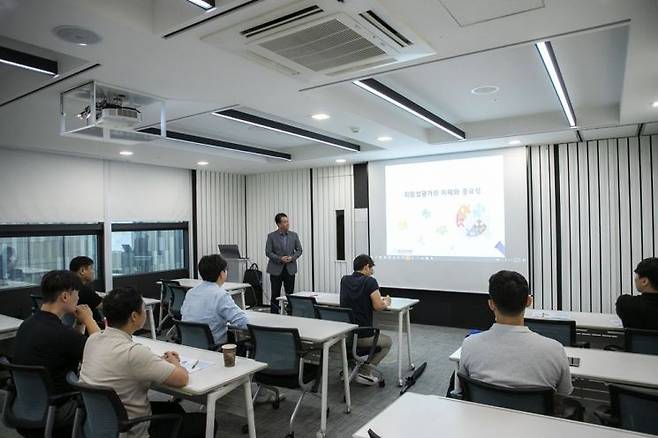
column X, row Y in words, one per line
column 195, row 364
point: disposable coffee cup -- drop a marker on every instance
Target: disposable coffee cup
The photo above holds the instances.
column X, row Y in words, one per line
column 229, row 354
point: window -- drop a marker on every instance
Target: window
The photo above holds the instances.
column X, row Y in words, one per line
column 143, row 247
column 27, row 252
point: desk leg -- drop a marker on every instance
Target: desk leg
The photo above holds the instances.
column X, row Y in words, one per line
column 408, row 317
column 458, row 386
column 149, row 313
column 161, row 311
column 400, row 325
column 325, row 381
column 346, row 380
column 211, row 401
column 282, row 307
column 244, row 303
column 249, row 406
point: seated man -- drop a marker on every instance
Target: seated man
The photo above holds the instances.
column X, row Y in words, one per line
column 43, row 340
column 113, row 359
column 509, row 354
column 641, row 311
column 83, row 267
column 360, row 292
column 209, row 303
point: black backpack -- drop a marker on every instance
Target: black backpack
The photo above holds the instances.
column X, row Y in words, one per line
column 254, row 277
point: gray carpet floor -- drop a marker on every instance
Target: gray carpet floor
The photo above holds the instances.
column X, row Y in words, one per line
column 430, row 344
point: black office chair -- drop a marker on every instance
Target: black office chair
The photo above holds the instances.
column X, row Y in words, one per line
column 358, row 356
column 195, row 334
column 537, row 400
column 641, row 341
column 563, row 331
column 173, row 296
column 301, row 306
column 634, row 408
column 37, row 300
column 281, row 349
column 105, row 416
column 31, row 405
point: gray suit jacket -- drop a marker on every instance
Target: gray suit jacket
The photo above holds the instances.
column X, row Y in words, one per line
column 274, row 250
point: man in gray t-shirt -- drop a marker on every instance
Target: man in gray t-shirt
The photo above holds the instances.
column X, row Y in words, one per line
column 509, row 354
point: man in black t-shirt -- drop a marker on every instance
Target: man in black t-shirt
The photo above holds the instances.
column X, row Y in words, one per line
column 360, row 292
column 43, row 340
column 83, row 267
column 641, row 311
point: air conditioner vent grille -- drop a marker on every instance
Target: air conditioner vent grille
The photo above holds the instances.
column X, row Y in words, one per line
column 327, row 45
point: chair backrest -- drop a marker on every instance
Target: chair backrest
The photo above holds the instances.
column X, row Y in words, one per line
column 27, row 405
column 333, row 313
column 635, row 408
column 105, row 414
column 562, row 330
column 641, row 341
column 195, row 334
column 302, row 306
column 177, row 297
column 167, row 295
column 37, row 300
column 278, row 347
column 536, row 400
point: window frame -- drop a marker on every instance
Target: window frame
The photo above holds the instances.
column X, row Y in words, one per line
column 156, row 226
column 64, row 230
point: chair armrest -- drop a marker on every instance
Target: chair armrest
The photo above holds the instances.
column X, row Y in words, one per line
column 374, row 332
column 614, row 348
column 176, row 419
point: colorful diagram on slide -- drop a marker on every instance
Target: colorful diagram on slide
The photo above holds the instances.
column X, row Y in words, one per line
column 450, row 208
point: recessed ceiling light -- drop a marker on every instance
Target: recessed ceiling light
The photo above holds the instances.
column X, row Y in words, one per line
column 126, row 153
column 321, row 116
column 514, row 142
column 27, row 61
column 547, row 55
column 341, row 160
column 202, row 163
column 204, row 4
column 655, row 104
column 485, row 90
column 384, row 138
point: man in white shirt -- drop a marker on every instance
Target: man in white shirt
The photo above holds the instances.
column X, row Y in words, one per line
column 209, row 303
column 114, row 360
column 509, row 354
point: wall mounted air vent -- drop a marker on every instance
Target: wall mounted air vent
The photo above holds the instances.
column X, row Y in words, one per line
column 322, row 39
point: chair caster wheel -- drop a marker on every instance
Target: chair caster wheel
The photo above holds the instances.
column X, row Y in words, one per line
column 382, row 383
column 245, row 429
column 348, row 411
column 290, row 435
column 276, row 404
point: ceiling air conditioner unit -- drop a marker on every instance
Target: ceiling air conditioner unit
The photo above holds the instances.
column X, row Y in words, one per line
column 323, row 39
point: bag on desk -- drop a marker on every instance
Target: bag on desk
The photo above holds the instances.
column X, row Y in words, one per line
column 254, row 277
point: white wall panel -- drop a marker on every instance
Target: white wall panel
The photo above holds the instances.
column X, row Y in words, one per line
column 332, row 190
column 220, row 212
column 605, row 225
column 269, row 194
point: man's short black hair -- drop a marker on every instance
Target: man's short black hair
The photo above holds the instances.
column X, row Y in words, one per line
column 509, row 291
column 56, row 282
column 80, row 262
column 120, row 303
column 278, row 217
column 211, row 266
column 648, row 268
column 361, row 261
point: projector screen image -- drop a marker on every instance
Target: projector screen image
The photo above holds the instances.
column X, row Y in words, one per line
column 452, row 208
column 449, row 222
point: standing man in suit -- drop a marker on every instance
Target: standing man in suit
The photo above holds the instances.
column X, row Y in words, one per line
column 282, row 249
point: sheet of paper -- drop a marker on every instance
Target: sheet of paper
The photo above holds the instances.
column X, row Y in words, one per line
column 193, row 365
